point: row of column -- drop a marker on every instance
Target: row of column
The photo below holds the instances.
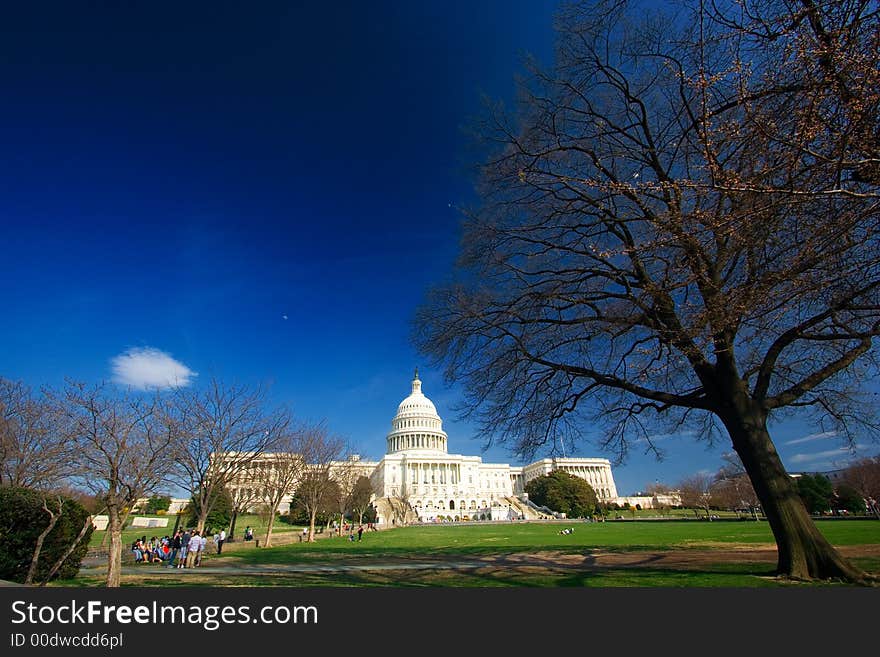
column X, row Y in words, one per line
column 433, row 473
column 589, row 473
column 415, row 441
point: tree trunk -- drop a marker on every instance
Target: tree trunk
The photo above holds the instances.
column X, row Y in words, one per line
column 114, row 559
column 804, row 553
column 67, row 553
column 203, row 518
column 269, row 525
column 231, row 532
column 53, row 519
column 312, row 526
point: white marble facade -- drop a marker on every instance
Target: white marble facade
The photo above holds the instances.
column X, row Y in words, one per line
column 418, row 468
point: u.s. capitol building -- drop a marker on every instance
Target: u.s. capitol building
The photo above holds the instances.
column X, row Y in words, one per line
column 418, row 479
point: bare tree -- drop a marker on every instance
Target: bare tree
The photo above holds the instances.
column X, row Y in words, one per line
column 244, row 495
column 733, row 489
column 345, row 474
column 316, row 491
column 671, row 230
column 696, row 492
column 286, row 468
column 864, row 477
column 361, row 497
column 60, row 562
column 54, row 511
column 400, row 509
column 122, row 451
column 33, row 450
column 223, row 429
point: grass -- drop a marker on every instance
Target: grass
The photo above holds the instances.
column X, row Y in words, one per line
column 490, row 538
column 518, row 554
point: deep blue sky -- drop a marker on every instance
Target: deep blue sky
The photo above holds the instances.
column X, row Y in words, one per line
column 184, row 176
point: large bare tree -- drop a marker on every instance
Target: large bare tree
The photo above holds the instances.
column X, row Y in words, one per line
column 122, row 451
column 679, row 225
column 223, row 429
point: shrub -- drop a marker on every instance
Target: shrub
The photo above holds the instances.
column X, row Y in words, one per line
column 157, row 504
column 218, row 517
column 22, row 519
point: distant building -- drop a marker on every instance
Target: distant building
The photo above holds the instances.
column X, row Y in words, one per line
column 657, row 501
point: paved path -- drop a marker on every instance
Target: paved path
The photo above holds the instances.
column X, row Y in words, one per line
column 279, row 569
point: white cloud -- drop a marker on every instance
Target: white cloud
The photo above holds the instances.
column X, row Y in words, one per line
column 840, row 452
column 811, row 437
column 657, row 437
column 146, row 367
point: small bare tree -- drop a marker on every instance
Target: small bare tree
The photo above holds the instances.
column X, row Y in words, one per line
column 33, row 450
column 223, row 429
column 345, row 474
column 400, row 509
column 54, row 510
column 361, row 497
column 316, row 490
column 285, row 469
column 122, row 451
column 864, row 477
column 696, row 492
column 244, row 496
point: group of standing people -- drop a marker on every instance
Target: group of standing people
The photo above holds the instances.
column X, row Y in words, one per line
column 183, row 550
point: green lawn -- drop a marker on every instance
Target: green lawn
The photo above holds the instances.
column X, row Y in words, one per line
column 467, row 556
column 491, row 538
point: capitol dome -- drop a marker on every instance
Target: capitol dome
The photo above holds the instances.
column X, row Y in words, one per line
column 417, row 426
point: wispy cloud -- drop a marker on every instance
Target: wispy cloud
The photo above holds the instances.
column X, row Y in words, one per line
column 145, row 367
column 840, row 453
column 657, row 437
column 811, row 438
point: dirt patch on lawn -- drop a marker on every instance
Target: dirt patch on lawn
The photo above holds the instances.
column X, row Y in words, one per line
column 672, row 559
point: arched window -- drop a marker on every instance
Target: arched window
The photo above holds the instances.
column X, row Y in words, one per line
column 452, row 505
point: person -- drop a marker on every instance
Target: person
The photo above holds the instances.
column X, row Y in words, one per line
column 248, row 533
column 221, row 539
column 175, row 548
column 136, row 550
column 304, row 535
column 193, row 549
column 203, row 542
column 360, row 531
column 184, row 548
column 156, row 552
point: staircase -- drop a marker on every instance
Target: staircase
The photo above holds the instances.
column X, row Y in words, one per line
column 395, row 511
column 527, row 509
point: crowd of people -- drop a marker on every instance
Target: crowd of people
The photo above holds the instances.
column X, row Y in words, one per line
column 182, row 550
